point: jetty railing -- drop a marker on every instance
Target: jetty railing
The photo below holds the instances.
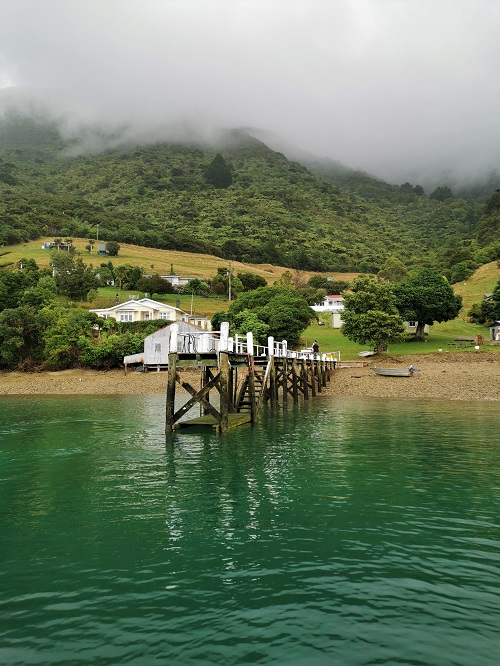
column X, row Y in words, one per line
column 217, row 341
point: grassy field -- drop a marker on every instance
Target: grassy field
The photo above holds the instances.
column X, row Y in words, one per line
column 156, row 261
column 440, row 338
column 205, row 266
column 482, row 282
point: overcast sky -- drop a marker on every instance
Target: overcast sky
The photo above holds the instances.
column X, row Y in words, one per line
column 390, row 86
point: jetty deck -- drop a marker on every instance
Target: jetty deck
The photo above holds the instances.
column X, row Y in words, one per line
column 244, row 376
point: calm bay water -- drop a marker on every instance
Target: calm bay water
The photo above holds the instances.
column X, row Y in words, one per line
column 350, row 531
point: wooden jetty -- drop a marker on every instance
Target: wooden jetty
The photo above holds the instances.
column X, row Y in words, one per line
column 244, row 376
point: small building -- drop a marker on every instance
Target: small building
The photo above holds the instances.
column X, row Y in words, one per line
column 176, row 280
column 157, row 345
column 202, row 321
column 495, row 331
column 51, row 245
column 411, row 327
column 101, row 249
column 335, row 304
column 142, row 309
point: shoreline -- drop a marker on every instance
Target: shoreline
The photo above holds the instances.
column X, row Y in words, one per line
column 460, row 376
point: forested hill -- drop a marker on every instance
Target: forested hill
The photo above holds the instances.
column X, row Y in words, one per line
column 239, row 200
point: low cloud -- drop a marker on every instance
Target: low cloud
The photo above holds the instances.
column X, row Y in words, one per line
column 399, row 89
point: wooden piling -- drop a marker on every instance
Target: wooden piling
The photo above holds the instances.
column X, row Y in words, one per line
column 170, row 404
column 273, row 387
column 224, row 391
column 295, row 382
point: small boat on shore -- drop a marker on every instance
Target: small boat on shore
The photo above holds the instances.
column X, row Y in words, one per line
column 396, row 372
column 366, row 353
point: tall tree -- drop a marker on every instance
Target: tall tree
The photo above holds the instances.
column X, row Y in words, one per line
column 426, row 297
column 393, row 269
column 218, row 173
column 112, row 248
column 73, row 278
column 442, row 193
column 285, row 312
column 370, row 314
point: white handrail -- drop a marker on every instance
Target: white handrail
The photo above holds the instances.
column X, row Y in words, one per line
column 217, row 341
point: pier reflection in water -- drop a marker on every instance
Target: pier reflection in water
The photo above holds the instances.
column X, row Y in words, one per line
column 347, row 531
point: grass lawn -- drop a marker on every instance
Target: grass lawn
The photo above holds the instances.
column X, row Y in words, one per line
column 441, row 336
column 196, row 304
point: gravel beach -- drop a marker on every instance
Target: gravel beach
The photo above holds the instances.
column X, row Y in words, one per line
column 447, row 376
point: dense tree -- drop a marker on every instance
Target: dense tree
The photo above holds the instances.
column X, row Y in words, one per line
column 426, row 297
column 393, row 270
column 462, row 271
column 251, row 281
column 128, row 276
column 154, row 284
column 20, row 341
column 112, row 248
column 285, row 312
column 442, row 193
column 217, row 320
column 219, row 284
column 41, row 294
column 248, row 320
column 370, row 315
column 62, row 331
column 109, row 349
column 218, row 173
column 15, row 282
column 73, row 278
column 488, row 228
column 197, row 287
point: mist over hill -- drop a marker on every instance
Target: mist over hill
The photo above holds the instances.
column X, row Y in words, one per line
column 62, row 179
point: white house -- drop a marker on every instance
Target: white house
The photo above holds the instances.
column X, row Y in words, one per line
column 334, row 304
column 176, row 280
column 142, row 309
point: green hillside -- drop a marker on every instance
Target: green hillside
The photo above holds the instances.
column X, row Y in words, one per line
column 267, row 210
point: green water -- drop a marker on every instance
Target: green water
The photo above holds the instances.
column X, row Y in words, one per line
column 347, row 532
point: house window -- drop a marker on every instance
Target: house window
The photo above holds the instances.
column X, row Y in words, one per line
column 412, row 324
column 164, row 315
column 126, row 316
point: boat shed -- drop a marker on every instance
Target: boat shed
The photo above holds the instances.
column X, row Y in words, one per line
column 156, row 346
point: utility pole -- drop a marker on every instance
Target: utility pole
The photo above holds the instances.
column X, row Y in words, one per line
column 229, row 271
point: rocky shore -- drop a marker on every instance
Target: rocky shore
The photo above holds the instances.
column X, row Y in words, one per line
column 448, row 376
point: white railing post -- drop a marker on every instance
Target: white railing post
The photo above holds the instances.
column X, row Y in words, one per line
column 285, row 348
column 250, row 343
column 204, row 343
column 174, row 332
column 230, row 344
column 270, row 346
column 224, row 336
